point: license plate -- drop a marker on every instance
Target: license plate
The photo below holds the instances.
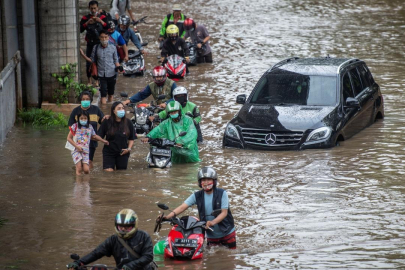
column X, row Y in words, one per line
column 161, row 152
column 182, row 242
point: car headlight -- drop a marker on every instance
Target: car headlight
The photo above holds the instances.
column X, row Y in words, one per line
column 232, row 132
column 318, row 134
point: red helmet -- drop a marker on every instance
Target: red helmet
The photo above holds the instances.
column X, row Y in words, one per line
column 189, row 24
column 159, row 71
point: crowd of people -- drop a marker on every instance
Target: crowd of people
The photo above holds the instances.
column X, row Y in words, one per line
column 107, row 36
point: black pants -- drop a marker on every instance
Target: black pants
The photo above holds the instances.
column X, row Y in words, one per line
column 115, row 161
column 89, row 50
column 205, row 58
column 107, row 85
column 91, row 153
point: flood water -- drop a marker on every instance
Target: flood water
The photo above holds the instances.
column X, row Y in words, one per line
column 337, row 208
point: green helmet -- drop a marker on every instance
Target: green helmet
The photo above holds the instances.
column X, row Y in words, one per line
column 173, row 106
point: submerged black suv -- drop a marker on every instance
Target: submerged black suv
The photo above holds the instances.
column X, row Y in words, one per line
column 306, row 103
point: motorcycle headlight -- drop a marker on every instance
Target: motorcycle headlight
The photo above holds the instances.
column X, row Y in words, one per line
column 141, row 119
column 319, row 134
column 160, row 162
column 232, row 132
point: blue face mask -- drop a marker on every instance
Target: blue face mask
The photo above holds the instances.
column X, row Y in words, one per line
column 121, row 113
column 173, row 116
column 83, row 122
column 85, row 103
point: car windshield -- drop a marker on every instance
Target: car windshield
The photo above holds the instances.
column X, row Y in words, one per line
column 281, row 87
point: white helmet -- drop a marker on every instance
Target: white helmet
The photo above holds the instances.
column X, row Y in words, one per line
column 180, row 90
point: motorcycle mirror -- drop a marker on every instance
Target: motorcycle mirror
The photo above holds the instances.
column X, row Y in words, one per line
column 123, row 94
column 163, row 206
column 216, row 212
column 74, row 257
column 183, row 133
column 160, row 97
column 145, row 44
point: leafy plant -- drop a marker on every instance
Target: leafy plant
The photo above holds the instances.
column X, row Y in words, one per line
column 42, row 118
column 67, row 83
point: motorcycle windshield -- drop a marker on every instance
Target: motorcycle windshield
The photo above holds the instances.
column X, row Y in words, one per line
column 175, row 60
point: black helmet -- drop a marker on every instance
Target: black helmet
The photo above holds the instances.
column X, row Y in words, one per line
column 207, row 172
column 124, row 20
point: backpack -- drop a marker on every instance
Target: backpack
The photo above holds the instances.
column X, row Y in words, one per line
column 93, row 31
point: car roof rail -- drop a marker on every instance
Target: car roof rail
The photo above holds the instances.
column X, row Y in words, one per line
column 285, row 61
column 346, row 63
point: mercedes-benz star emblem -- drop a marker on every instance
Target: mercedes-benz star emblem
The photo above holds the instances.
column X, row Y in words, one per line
column 270, row 138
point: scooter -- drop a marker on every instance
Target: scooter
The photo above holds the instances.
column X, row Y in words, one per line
column 76, row 257
column 142, row 124
column 136, row 61
column 175, row 66
column 186, row 238
column 160, row 153
column 192, row 47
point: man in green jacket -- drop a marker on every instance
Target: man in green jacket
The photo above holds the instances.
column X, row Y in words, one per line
column 187, row 150
column 180, row 94
column 176, row 18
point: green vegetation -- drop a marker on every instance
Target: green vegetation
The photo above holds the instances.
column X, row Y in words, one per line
column 42, row 118
column 67, row 84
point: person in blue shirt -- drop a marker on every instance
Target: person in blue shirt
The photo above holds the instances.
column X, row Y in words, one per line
column 118, row 41
column 128, row 33
column 161, row 85
column 208, row 199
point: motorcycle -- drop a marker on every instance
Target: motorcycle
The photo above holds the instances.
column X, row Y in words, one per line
column 175, row 66
column 76, row 257
column 186, row 238
column 160, row 154
column 142, row 112
column 136, row 61
column 193, row 52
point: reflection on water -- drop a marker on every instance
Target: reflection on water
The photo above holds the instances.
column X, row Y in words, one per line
column 335, row 208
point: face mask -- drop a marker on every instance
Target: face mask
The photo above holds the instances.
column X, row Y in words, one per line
column 174, row 116
column 104, row 42
column 123, row 29
column 121, row 113
column 83, row 122
column 85, row 103
column 208, row 187
column 94, row 13
column 181, row 100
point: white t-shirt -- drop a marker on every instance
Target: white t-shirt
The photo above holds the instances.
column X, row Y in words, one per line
column 120, row 6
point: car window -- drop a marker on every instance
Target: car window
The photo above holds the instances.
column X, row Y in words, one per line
column 356, row 82
column 347, row 87
column 281, row 87
column 363, row 76
column 368, row 75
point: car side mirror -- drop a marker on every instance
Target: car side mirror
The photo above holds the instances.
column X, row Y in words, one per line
column 352, row 103
column 123, row 94
column 241, row 99
column 145, row 44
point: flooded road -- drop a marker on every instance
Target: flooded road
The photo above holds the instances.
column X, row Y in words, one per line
column 337, row 208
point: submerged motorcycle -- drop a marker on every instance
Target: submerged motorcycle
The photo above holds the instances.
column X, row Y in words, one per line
column 185, row 239
column 160, row 153
column 136, row 61
column 175, row 66
column 192, row 47
column 142, row 124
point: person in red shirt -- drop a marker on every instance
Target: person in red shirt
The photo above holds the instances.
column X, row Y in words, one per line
column 92, row 23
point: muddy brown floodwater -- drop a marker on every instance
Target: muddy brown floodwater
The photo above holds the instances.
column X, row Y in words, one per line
column 315, row 209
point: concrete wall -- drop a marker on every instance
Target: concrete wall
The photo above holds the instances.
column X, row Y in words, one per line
column 58, row 33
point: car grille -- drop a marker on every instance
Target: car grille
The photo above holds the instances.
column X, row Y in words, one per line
column 275, row 138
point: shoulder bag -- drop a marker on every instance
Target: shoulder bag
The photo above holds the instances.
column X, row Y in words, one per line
column 153, row 265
